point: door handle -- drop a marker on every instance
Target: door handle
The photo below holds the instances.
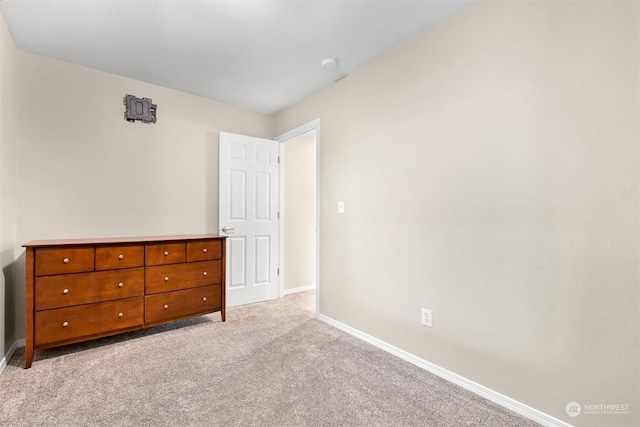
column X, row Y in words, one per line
column 227, row 230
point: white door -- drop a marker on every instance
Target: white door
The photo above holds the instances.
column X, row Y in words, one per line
column 248, row 214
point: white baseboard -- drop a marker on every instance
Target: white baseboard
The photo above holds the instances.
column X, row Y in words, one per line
column 299, row 289
column 487, row 393
column 17, row 344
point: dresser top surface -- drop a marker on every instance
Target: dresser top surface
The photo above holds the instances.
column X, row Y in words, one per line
column 119, row 240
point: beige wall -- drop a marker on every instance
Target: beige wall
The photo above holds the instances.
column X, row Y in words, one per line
column 8, row 141
column 300, row 211
column 85, row 172
column 490, row 173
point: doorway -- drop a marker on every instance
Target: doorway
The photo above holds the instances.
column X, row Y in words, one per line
column 299, row 205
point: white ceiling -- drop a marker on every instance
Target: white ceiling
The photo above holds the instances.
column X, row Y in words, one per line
column 261, row 55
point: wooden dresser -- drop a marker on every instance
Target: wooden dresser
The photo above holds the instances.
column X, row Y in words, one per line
column 78, row 290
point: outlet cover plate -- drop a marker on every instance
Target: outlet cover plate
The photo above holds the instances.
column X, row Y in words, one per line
column 427, row 317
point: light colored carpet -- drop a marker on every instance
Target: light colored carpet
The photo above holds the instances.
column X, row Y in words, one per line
column 269, row 364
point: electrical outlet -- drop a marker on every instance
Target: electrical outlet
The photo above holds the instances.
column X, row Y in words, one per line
column 427, row 317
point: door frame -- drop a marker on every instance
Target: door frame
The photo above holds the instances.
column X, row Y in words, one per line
column 307, row 127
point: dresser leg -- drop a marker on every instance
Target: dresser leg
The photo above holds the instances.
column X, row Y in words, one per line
column 28, row 354
column 222, row 313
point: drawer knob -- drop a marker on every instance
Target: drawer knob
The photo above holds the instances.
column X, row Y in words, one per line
column 166, row 253
column 120, row 256
column 120, row 284
column 65, row 291
column 66, row 260
column 205, row 250
column 65, row 324
column 166, row 306
column 204, row 298
column 204, row 273
column 120, row 314
column 166, row 278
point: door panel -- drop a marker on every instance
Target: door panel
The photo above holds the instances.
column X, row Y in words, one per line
column 248, row 210
column 237, row 261
column 263, row 197
column 262, row 258
column 237, row 195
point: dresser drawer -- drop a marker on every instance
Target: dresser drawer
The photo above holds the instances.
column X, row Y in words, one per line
column 203, row 250
column 83, row 288
column 172, row 277
column 176, row 305
column 69, row 324
column 164, row 253
column 113, row 257
column 64, row 260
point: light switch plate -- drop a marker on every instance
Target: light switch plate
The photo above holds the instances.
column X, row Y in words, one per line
column 341, row 207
